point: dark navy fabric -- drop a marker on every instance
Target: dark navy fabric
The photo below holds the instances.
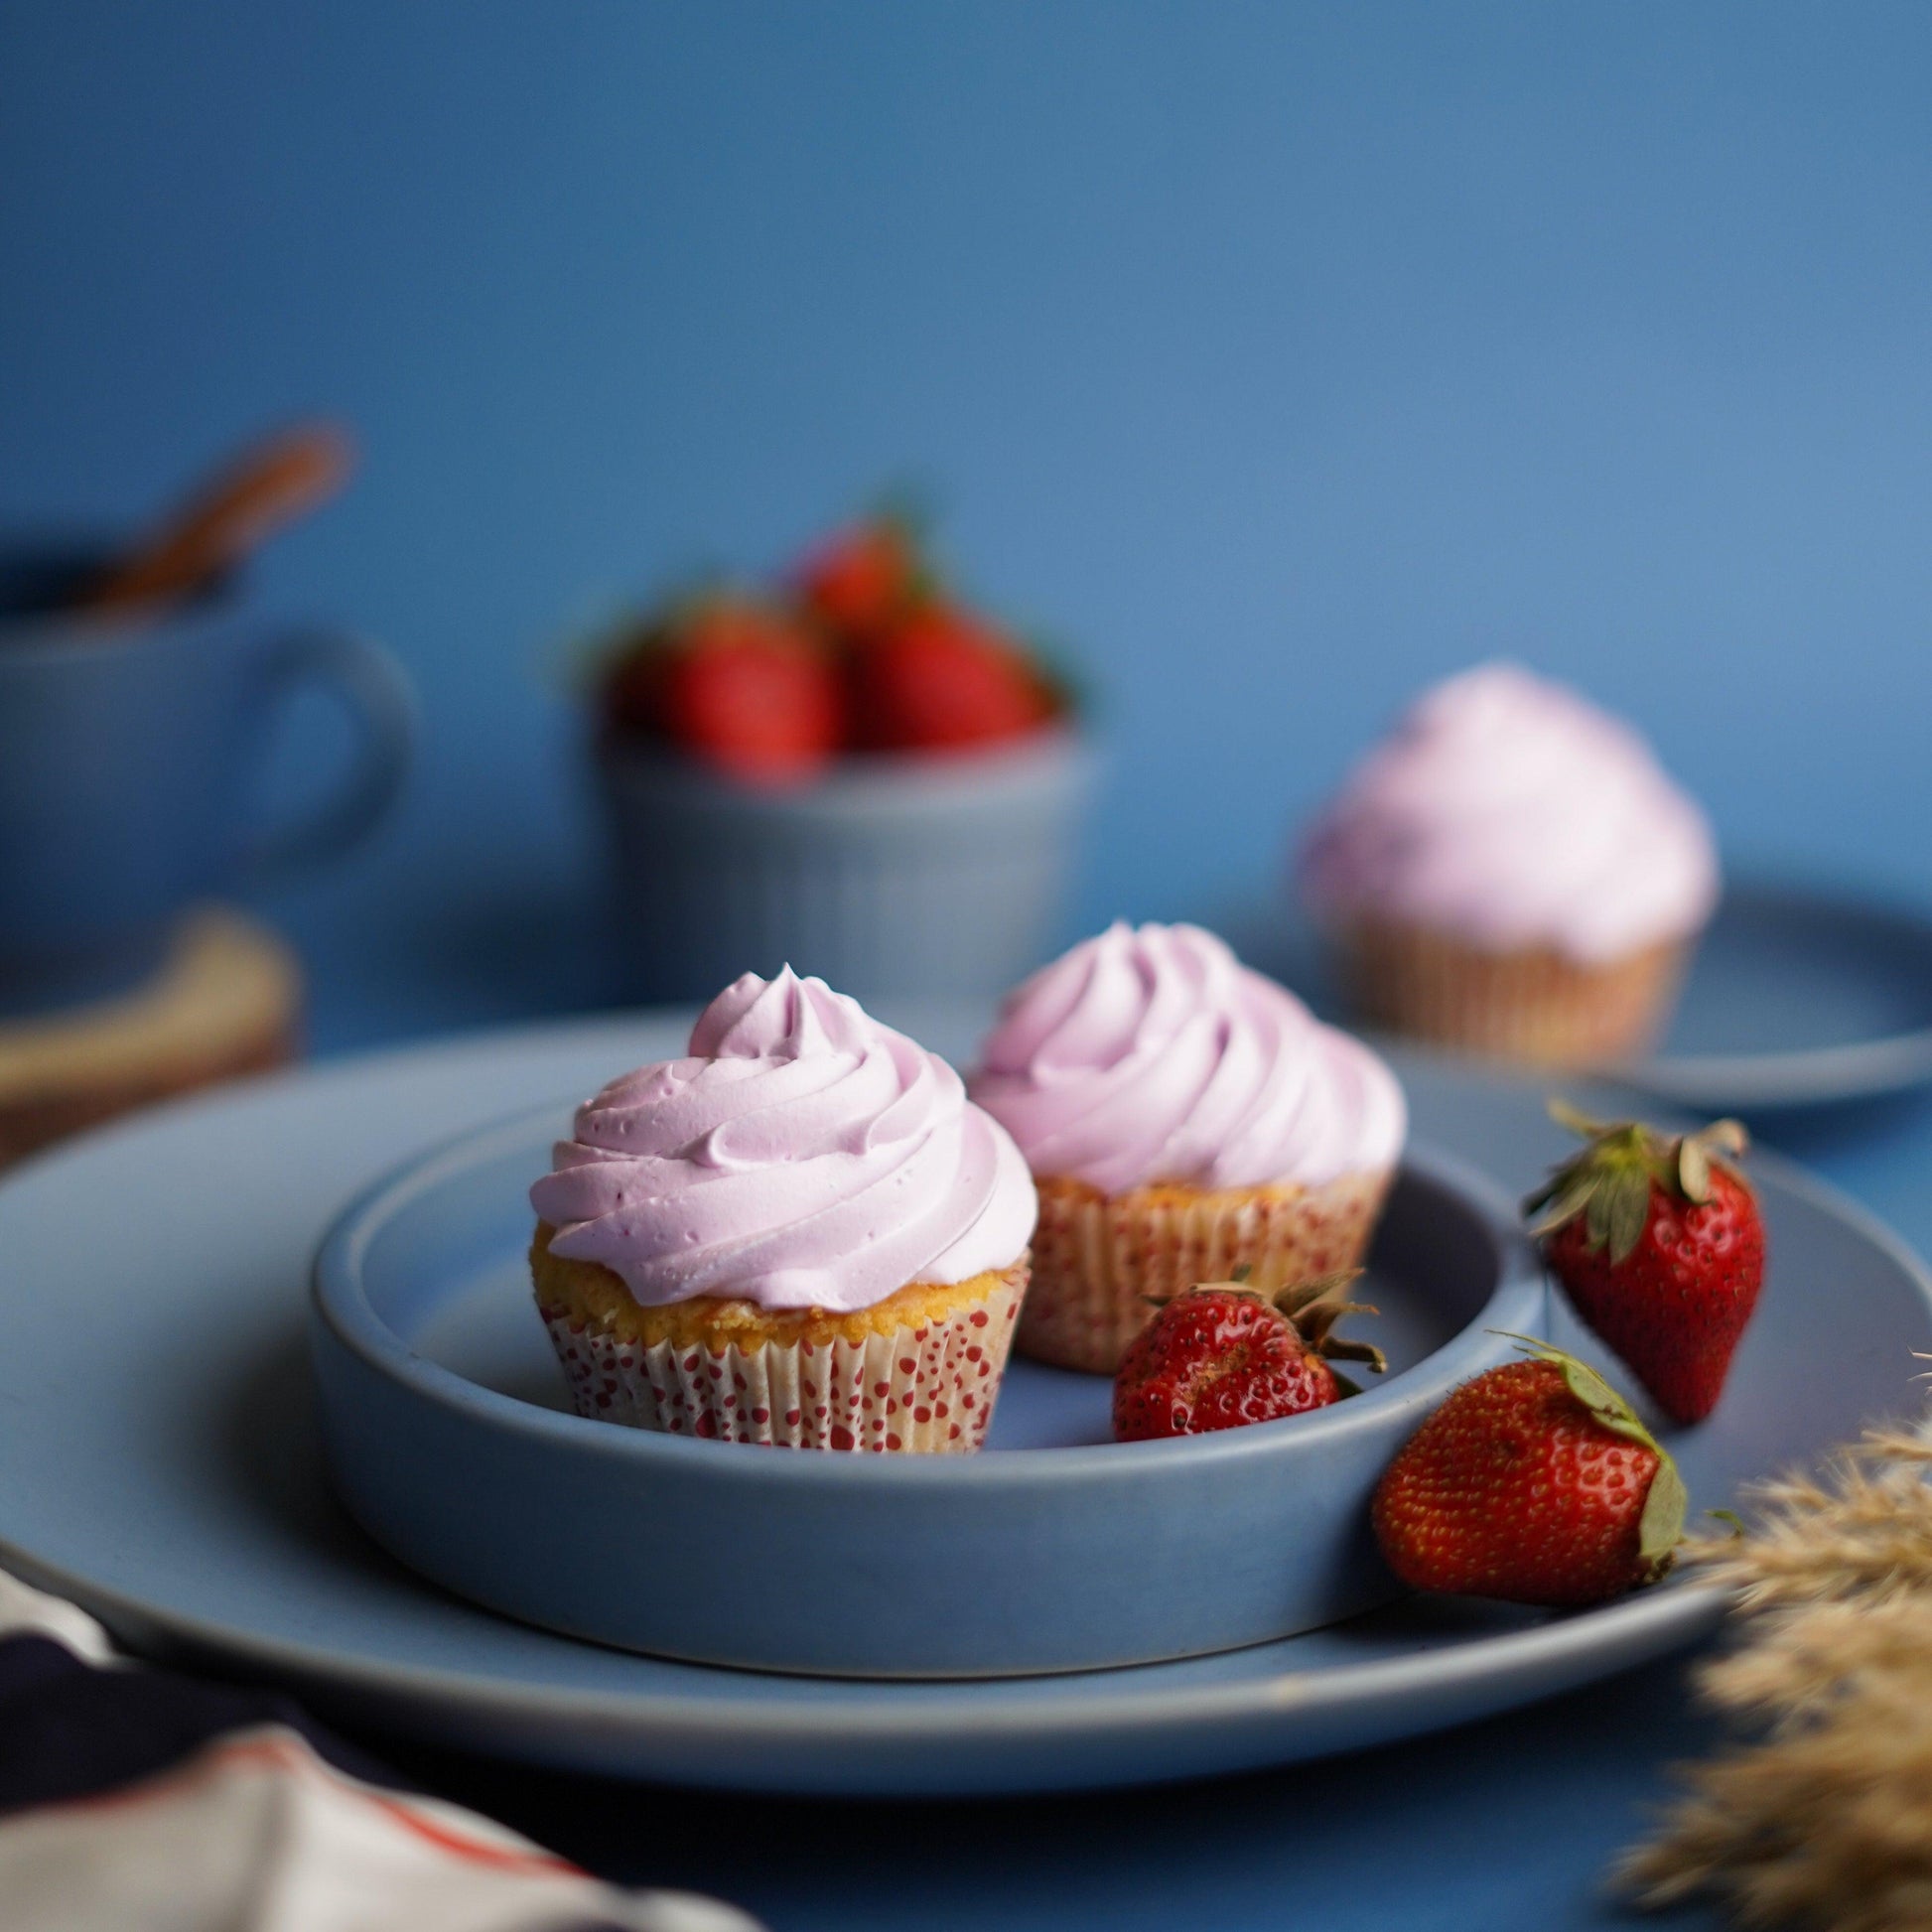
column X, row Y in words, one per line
column 71, row 1730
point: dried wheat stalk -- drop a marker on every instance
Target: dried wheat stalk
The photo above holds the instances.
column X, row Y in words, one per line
column 1825, row 1822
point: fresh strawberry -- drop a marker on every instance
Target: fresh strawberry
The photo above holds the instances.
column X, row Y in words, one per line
column 740, row 686
column 1658, row 1240
column 939, row 679
column 1225, row 1354
column 854, row 584
column 1535, row 1483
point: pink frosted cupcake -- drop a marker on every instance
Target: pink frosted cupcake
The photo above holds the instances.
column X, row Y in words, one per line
column 801, row 1233
column 1184, row 1118
column 1512, row 872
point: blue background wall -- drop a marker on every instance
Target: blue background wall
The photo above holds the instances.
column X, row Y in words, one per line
column 1278, row 359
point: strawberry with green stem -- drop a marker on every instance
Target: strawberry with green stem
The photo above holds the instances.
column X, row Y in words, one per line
column 1535, row 1483
column 1223, row 1354
column 1659, row 1244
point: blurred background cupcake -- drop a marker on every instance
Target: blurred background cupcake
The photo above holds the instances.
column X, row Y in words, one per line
column 1512, row 872
column 854, row 771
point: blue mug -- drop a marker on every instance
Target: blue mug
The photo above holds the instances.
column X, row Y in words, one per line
column 128, row 748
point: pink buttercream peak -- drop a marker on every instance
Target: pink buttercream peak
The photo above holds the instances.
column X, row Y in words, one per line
column 784, row 1018
column 801, row 1154
column 1151, row 1054
column 1511, row 812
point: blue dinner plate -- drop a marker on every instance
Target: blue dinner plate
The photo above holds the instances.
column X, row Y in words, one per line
column 159, row 1462
column 1797, row 997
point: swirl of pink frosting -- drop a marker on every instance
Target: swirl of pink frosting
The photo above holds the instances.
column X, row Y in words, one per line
column 1510, row 813
column 1151, row 1054
column 801, row 1156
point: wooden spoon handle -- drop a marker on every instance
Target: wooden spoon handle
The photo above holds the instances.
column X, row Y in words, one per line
column 269, row 486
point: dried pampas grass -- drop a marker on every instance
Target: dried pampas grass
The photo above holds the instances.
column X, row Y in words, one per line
column 1825, row 1823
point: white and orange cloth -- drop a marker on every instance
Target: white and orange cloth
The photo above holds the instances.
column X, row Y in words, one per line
column 134, row 1800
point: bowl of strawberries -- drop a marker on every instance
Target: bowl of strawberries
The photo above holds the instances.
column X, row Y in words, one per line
column 855, row 773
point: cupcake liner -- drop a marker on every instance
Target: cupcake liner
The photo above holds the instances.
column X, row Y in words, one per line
column 1534, row 1005
column 929, row 1388
column 1097, row 1258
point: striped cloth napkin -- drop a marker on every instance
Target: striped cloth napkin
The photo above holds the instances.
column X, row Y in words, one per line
column 135, row 1798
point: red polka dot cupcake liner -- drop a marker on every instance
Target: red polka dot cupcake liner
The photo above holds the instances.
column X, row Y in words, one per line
column 1098, row 1259
column 929, row 1388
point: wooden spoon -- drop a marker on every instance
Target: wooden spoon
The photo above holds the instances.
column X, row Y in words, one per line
column 236, row 509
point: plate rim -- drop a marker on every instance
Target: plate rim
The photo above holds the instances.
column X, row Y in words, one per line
column 1808, row 1076
column 905, row 1707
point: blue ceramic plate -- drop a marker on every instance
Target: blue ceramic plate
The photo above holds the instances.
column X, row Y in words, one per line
column 159, row 1461
column 451, row 1441
column 1797, row 997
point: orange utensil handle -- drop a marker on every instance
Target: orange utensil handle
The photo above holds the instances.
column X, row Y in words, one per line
column 270, row 486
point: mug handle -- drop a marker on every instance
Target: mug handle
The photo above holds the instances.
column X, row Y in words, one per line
column 377, row 693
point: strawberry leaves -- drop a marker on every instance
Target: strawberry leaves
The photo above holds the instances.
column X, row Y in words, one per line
column 1661, row 1527
column 1315, row 1307
column 1609, row 1182
column 1693, row 1170
column 1723, row 1142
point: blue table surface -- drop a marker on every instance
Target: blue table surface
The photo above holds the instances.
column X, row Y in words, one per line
column 1510, row 1823
column 1277, row 359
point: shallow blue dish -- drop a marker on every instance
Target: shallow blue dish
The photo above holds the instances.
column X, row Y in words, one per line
column 160, row 1461
column 451, row 1441
column 1797, row 997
